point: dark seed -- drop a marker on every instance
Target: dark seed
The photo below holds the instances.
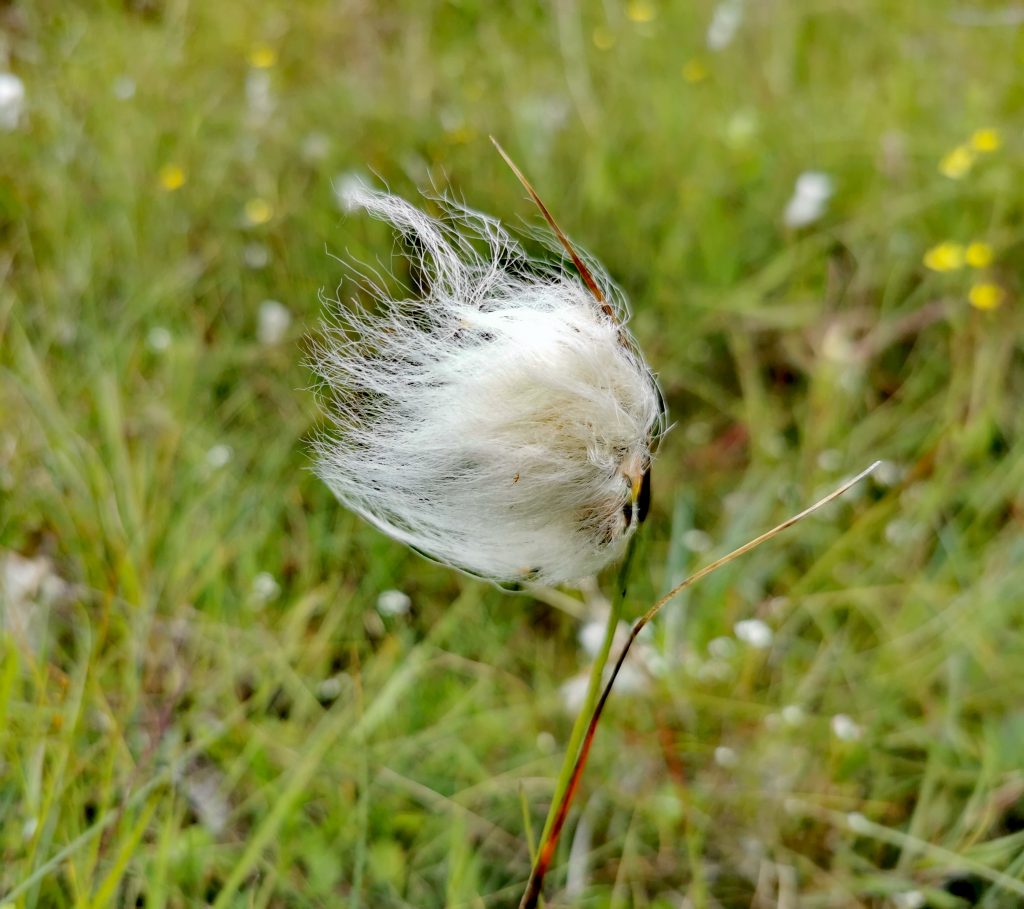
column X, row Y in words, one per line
column 643, row 501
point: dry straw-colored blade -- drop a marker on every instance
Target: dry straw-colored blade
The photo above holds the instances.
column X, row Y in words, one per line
column 581, row 266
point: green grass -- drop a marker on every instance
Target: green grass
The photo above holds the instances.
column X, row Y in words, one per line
column 170, row 738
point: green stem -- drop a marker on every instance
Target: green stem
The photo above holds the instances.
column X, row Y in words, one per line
column 580, row 746
column 593, row 692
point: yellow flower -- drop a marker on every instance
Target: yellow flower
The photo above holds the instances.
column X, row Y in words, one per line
column 641, row 11
column 957, row 163
column 978, row 254
column 262, row 56
column 694, row 71
column 171, row 177
column 603, row 38
column 986, row 140
column 986, row 296
column 945, row 256
column 258, row 211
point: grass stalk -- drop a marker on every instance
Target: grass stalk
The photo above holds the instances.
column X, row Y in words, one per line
column 581, row 751
column 590, row 700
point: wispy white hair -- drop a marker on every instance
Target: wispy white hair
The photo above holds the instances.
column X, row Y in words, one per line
column 497, row 421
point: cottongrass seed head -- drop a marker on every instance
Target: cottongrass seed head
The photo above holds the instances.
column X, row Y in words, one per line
column 501, row 419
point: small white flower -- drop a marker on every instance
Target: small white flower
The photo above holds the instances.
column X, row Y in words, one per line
column 546, row 743
column 722, row 648
column 501, row 420
column 830, row 460
column 29, row 828
column 12, row 101
column 911, row 899
column 901, row 532
column 27, row 586
column 591, row 637
column 725, row 22
column 814, row 185
column 315, row 147
column 393, row 602
column 809, row 200
column 329, row 688
column 124, row 88
column 793, row 715
column 21, row 578
column 574, row 692
column 205, row 789
column 159, row 339
column 889, row 473
column 741, row 128
column 654, row 663
column 632, row 679
column 219, row 456
column 65, row 331
column 726, row 757
column 714, row 671
column 259, row 96
column 255, row 256
column 857, row 822
column 265, row 588
column 845, row 728
column 754, row 632
column 274, row 319
column 837, row 346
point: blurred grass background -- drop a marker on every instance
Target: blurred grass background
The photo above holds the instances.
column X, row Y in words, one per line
column 204, row 698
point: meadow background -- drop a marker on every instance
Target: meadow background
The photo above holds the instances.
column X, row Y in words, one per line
column 217, row 687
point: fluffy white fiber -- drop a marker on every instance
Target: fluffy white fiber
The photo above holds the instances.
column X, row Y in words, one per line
column 500, row 421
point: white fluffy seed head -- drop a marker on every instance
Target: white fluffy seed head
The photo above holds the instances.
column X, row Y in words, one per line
column 499, row 421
